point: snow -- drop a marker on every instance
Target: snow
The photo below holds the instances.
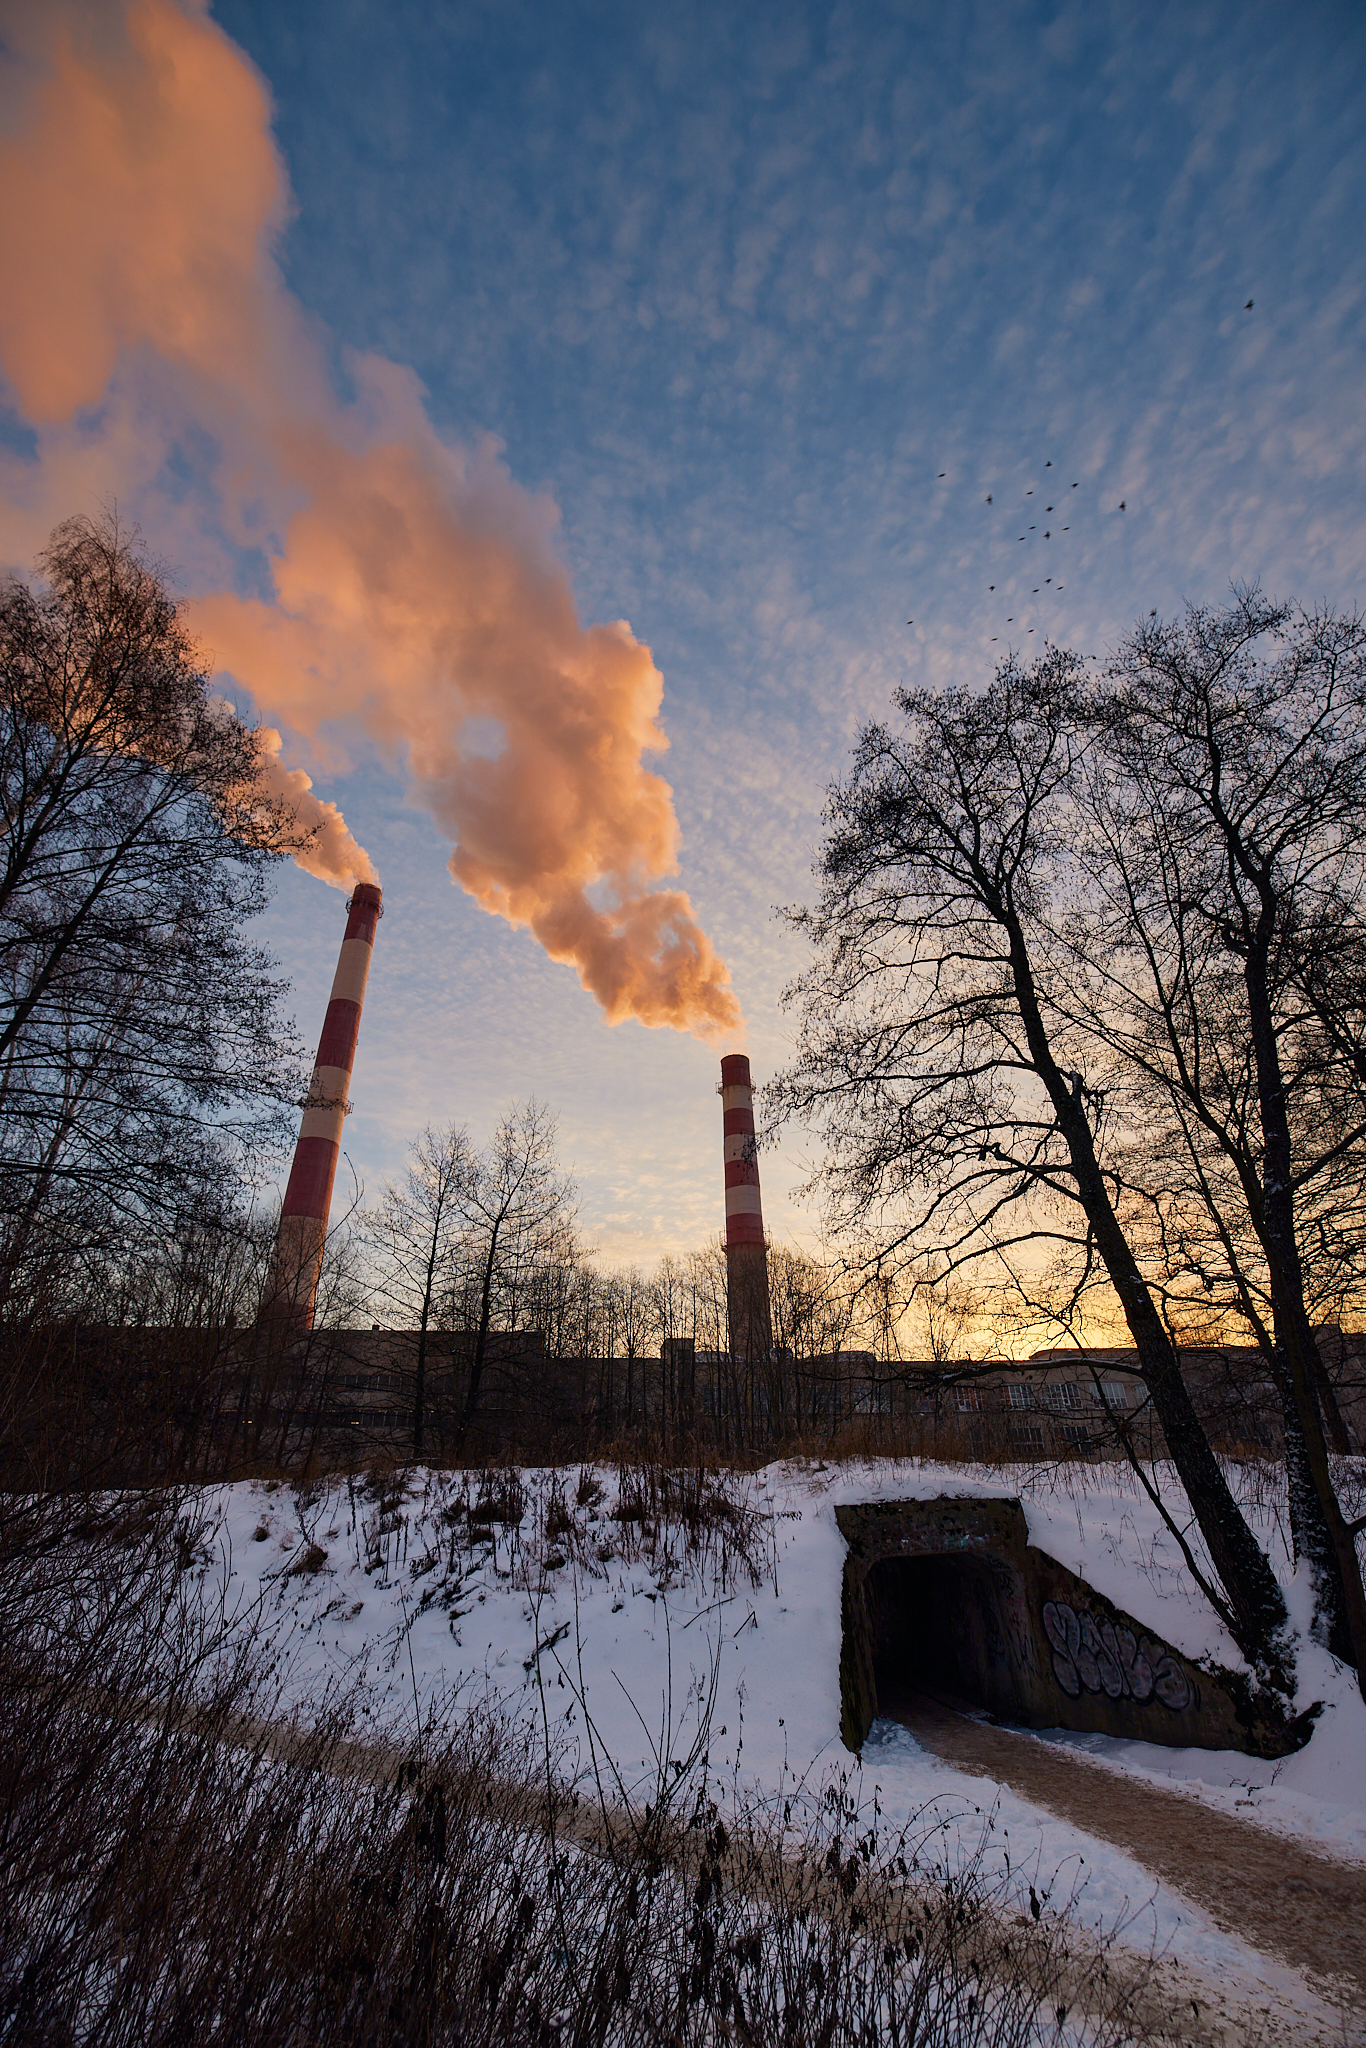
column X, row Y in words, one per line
column 640, row 1641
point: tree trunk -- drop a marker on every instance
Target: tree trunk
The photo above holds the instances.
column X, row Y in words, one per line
column 420, row 1377
column 481, row 1342
column 1256, row 1606
column 1334, row 1421
column 1318, row 1526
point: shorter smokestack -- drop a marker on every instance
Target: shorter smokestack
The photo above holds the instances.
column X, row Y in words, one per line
column 751, row 1321
column 292, row 1287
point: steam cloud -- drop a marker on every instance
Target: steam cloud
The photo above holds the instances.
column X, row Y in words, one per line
column 412, row 593
column 332, row 854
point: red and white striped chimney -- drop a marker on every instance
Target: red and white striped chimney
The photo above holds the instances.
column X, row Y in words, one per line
column 293, row 1283
column 751, row 1323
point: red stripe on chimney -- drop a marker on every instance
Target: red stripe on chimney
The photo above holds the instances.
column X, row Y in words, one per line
column 310, row 1178
column 341, row 1029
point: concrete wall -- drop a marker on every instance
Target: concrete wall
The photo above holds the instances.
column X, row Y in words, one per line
column 950, row 1595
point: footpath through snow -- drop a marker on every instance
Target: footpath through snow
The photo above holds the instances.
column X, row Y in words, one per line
column 627, row 1642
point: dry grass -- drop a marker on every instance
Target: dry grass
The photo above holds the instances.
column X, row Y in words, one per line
column 686, row 1523
column 175, row 1867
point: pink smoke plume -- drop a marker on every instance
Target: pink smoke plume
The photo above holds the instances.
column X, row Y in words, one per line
column 417, row 597
column 332, row 854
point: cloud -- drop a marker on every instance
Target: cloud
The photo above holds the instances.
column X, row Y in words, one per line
column 142, row 193
column 414, row 594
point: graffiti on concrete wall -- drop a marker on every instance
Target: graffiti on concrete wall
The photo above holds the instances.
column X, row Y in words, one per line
column 1092, row 1656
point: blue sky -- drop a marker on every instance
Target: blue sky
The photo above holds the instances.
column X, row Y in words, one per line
column 734, row 287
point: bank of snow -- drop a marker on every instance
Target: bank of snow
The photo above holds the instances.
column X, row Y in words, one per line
column 624, row 1643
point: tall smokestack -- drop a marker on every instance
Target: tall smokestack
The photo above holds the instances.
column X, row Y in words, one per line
column 751, row 1322
column 297, row 1261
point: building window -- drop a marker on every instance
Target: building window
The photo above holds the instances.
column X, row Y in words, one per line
column 1021, row 1394
column 1026, row 1436
column 1065, row 1394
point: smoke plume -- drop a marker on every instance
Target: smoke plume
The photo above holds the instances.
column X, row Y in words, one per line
column 406, row 591
column 332, row 854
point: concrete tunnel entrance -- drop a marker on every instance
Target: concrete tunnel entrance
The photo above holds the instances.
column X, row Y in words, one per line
column 949, row 1597
column 943, row 1625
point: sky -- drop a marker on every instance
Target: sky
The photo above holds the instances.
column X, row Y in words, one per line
column 820, row 345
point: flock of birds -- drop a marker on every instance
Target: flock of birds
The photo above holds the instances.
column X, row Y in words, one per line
column 1048, row 586
column 1052, row 511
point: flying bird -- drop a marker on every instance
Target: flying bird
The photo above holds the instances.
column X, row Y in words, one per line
column 1248, row 307
column 1048, row 465
column 942, row 474
column 1074, row 487
column 1152, row 614
column 1121, row 504
column 988, row 497
column 991, row 586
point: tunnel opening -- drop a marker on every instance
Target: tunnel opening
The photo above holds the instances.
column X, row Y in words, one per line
column 943, row 1626
column 947, row 1600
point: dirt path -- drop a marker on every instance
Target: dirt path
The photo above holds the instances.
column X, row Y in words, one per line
column 1269, row 1891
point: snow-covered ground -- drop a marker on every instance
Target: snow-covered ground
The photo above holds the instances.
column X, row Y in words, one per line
column 644, row 1643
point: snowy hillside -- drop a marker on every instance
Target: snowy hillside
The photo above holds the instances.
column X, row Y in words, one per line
column 628, row 1625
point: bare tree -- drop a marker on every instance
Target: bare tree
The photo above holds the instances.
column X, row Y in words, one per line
column 143, row 1061
column 416, row 1235
column 515, row 1204
column 946, row 1052
column 672, row 1321
column 1226, row 806
column 709, row 1312
column 812, row 1310
column 560, row 1287
column 635, row 1323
